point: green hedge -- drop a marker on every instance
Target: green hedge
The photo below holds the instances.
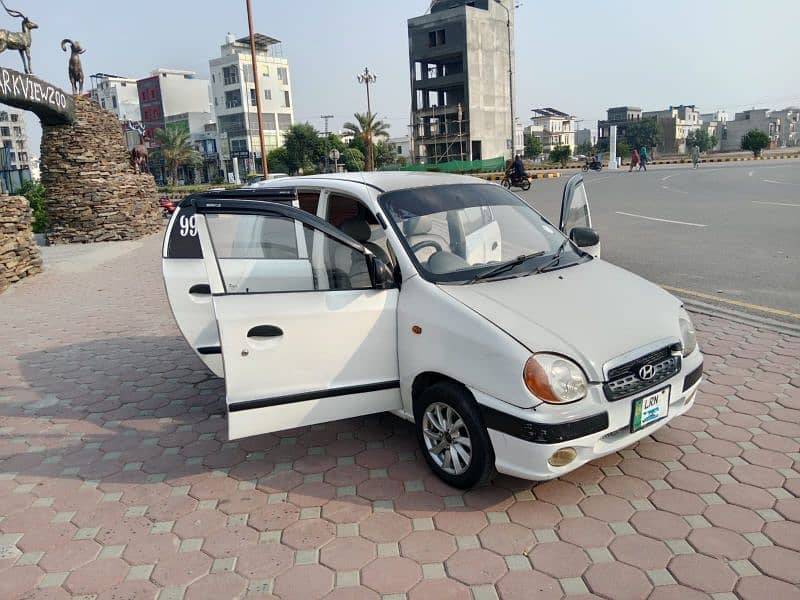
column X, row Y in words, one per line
column 461, row 166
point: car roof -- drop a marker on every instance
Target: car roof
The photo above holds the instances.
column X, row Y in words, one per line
column 384, row 181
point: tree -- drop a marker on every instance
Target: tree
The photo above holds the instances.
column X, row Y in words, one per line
column 755, row 140
column 176, row 150
column 385, row 154
column 34, row 192
column 586, row 148
column 353, row 159
column 646, row 132
column 278, row 161
column 623, row 149
column 560, row 154
column 367, row 127
column 701, row 139
column 303, row 147
column 533, row 146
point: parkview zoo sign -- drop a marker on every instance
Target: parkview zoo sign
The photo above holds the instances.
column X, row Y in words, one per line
column 53, row 105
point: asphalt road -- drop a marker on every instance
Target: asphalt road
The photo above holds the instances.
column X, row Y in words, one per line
column 722, row 234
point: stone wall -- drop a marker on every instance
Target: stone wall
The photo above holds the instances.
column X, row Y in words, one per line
column 92, row 193
column 19, row 255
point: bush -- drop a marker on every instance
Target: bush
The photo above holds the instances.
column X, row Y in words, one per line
column 755, row 140
column 34, row 192
column 560, row 154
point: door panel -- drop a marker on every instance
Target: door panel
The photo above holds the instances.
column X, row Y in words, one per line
column 296, row 357
column 575, row 210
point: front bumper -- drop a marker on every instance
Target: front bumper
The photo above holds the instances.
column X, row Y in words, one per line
column 522, row 444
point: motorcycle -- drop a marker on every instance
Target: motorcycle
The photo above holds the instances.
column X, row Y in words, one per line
column 510, row 180
column 594, row 165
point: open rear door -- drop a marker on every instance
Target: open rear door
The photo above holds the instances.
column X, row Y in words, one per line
column 575, row 210
column 185, row 276
column 306, row 337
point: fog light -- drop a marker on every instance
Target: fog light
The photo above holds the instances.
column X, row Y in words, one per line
column 562, row 457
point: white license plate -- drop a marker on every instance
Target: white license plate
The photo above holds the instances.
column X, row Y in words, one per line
column 649, row 409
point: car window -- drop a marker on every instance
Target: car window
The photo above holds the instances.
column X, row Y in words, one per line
column 308, row 200
column 270, row 253
column 357, row 221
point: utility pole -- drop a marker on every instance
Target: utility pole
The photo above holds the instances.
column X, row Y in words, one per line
column 326, row 118
column 510, row 72
column 257, row 86
column 367, row 78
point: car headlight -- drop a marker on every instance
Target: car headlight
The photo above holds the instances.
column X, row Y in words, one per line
column 554, row 379
column 688, row 336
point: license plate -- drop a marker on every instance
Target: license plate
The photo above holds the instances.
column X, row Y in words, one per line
column 649, row 409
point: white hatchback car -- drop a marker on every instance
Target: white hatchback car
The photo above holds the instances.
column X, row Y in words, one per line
column 445, row 299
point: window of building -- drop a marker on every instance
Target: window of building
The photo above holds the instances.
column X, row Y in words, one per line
column 114, row 101
column 17, row 131
column 123, row 84
column 213, row 79
column 284, row 121
column 3, row 116
column 283, row 75
column 233, row 99
column 103, row 102
column 267, row 94
column 230, row 75
column 216, row 101
column 5, row 131
column 239, row 145
column 253, row 98
column 436, row 38
column 14, row 118
column 286, row 102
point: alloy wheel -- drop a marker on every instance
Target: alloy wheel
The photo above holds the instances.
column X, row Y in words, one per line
column 447, row 438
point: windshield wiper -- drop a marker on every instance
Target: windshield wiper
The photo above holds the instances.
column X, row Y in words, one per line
column 555, row 260
column 501, row 268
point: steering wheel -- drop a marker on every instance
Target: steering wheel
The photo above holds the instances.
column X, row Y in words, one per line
column 426, row 244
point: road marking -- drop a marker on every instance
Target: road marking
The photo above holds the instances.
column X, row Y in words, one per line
column 779, row 182
column 667, row 177
column 662, row 220
column 669, row 189
column 775, row 203
column 758, row 307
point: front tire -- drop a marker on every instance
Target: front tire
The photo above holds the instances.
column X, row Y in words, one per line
column 507, row 183
column 452, row 436
column 585, row 168
column 526, row 184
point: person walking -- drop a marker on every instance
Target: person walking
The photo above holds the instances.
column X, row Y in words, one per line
column 696, row 156
column 634, row 159
column 643, row 158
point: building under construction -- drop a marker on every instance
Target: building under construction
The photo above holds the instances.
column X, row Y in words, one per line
column 459, row 54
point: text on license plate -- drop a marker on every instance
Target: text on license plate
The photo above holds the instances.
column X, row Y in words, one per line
column 649, row 409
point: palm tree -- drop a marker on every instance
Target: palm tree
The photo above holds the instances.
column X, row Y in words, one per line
column 176, row 149
column 367, row 127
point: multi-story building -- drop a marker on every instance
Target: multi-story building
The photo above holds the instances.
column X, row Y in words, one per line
column 585, row 136
column 459, row 58
column 786, row 123
column 756, row 118
column 553, row 128
column 620, row 116
column 714, row 124
column 234, row 94
column 676, row 123
column 119, row 95
column 13, row 141
column 170, row 92
column 202, row 130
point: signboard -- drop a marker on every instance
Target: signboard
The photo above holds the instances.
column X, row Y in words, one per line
column 240, row 154
column 52, row 105
column 334, row 154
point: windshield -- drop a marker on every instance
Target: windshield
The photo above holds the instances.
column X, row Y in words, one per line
column 457, row 232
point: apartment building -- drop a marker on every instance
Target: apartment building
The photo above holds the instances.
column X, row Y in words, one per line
column 553, row 128
column 13, row 141
column 170, row 92
column 676, row 123
column 234, row 99
column 620, row 116
column 119, row 95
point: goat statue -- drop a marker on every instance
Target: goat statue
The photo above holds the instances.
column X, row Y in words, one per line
column 75, row 67
column 138, row 157
column 19, row 40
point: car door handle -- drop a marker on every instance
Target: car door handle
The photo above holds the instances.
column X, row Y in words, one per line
column 265, row 331
column 494, row 246
column 200, row 288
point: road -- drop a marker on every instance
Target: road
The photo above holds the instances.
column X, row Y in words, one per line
column 724, row 234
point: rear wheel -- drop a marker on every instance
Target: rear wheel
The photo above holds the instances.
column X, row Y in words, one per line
column 526, row 184
column 452, row 437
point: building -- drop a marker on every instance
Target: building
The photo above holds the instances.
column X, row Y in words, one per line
column 786, row 124
column 234, row 98
column 119, row 95
column 459, row 57
column 202, row 130
column 620, row 116
column 402, row 146
column 170, row 92
column 756, row 118
column 585, row 136
column 714, row 124
column 553, row 128
column 676, row 123
column 14, row 140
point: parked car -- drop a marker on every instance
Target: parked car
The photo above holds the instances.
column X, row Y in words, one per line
column 259, row 181
column 504, row 338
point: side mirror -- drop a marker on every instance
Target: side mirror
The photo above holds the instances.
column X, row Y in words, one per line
column 584, row 237
column 380, row 273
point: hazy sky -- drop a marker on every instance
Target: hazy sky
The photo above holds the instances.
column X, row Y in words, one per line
column 580, row 57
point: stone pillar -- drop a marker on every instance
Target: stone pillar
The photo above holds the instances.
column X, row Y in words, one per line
column 612, row 147
column 19, row 255
column 91, row 192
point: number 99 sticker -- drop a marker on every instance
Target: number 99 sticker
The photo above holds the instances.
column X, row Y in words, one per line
column 183, row 239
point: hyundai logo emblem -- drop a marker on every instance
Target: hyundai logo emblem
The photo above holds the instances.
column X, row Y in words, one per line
column 647, row 372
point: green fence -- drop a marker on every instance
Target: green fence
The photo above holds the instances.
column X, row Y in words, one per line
column 461, row 166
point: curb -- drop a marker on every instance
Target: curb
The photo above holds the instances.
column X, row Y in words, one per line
column 712, row 310
column 500, row 176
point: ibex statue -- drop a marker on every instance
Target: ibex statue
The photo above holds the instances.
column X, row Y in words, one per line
column 18, row 40
column 75, row 67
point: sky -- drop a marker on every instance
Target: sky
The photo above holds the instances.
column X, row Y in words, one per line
column 579, row 57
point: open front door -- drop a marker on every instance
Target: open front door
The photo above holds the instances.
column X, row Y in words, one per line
column 306, row 337
column 186, row 281
column 575, row 211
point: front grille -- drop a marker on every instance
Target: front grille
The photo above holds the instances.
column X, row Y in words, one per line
column 624, row 380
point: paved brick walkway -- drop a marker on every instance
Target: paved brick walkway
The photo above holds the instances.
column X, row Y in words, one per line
column 116, row 479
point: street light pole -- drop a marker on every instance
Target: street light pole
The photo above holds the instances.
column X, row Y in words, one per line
column 326, row 118
column 257, row 86
column 510, row 72
column 367, row 78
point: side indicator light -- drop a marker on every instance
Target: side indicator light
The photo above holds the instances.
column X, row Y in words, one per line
column 416, row 329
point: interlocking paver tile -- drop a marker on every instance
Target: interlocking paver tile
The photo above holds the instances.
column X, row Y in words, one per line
column 96, row 577
column 507, row 538
column 444, row 589
column 640, row 551
column 182, row 569
column 585, row 532
column 428, row 546
column 216, row 585
column 617, row 580
column 70, row 556
column 720, row 543
column 781, row 563
column 735, row 518
column 304, row 582
column 528, row 584
column 199, row 523
column 476, row 566
column 677, row 592
column 559, row 559
column 760, row 587
column 229, row 541
column 385, row 527
column 703, row 573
